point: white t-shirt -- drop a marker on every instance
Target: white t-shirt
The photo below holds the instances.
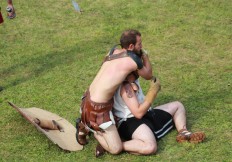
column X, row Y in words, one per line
column 120, row 109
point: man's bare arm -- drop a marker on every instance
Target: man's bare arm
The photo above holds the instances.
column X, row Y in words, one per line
column 138, row 110
column 146, row 71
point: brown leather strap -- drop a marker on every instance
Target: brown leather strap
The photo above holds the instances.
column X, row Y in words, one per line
column 115, row 56
column 182, row 130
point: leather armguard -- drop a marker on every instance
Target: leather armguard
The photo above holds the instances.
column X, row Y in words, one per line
column 136, row 58
column 153, row 90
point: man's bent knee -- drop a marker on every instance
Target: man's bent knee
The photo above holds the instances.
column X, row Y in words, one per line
column 115, row 149
column 150, row 148
column 180, row 106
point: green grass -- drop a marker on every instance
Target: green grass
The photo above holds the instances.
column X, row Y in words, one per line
column 49, row 54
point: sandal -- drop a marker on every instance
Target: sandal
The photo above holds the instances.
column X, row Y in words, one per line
column 186, row 136
column 99, row 151
column 81, row 132
column 10, row 12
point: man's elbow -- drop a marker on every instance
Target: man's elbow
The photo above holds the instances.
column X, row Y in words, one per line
column 138, row 116
column 148, row 76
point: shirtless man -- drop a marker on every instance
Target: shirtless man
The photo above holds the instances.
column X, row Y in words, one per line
column 141, row 125
column 97, row 102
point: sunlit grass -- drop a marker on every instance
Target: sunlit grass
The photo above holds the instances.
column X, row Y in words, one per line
column 49, row 54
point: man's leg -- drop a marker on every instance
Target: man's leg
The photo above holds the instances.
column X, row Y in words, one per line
column 110, row 140
column 177, row 110
column 10, row 9
column 10, row 2
column 143, row 141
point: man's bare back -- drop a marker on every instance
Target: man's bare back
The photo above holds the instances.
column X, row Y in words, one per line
column 110, row 76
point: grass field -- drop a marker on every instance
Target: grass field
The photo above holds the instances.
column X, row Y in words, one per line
column 49, row 54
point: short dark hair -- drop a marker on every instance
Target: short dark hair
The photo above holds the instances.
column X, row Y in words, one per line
column 129, row 37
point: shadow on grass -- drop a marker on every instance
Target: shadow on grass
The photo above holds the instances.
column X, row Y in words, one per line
column 35, row 67
column 200, row 104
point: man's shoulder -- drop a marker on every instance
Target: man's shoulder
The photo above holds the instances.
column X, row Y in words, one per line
column 118, row 51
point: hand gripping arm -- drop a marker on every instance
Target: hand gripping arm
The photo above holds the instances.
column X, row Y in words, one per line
column 153, row 90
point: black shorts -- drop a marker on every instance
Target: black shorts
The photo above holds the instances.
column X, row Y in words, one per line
column 159, row 121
